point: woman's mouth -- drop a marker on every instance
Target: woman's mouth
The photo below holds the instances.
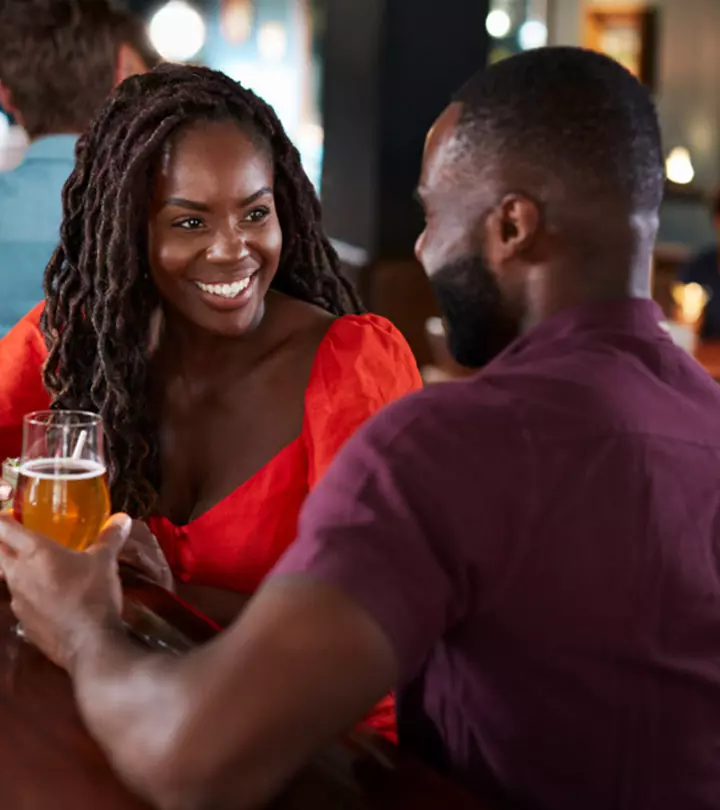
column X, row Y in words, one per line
column 226, row 290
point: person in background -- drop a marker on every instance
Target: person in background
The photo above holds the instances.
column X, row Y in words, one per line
column 196, row 303
column 13, row 142
column 531, row 555
column 704, row 269
column 59, row 60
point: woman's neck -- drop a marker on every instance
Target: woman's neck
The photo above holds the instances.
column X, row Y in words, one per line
column 186, row 349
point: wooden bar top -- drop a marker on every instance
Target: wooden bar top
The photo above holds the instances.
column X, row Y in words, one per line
column 49, row 762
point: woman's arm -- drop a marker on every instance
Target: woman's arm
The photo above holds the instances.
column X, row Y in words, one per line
column 22, row 356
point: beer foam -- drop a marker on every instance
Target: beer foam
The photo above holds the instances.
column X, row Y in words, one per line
column 61, row 469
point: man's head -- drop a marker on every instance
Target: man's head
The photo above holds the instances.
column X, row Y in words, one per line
column 60, row 59
column 541, row 184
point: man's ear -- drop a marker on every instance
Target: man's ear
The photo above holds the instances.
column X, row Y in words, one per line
column 515, row 224
column 128, row 63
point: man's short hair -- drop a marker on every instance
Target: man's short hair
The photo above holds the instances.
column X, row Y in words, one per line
column 58, row 60
column 570, row 114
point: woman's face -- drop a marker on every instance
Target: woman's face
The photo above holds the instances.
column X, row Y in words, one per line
column 215, row 239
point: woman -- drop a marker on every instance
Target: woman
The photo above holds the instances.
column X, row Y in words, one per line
column 196, row 304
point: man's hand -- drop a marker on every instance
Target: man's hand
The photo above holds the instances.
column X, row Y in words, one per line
column 63, row 598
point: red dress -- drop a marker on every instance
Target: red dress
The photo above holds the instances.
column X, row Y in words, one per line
column 362, row 364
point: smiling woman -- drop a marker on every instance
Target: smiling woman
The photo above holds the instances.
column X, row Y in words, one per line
column 215, row 238
column 197, row 305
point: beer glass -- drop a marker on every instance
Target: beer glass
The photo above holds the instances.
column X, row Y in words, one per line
column 62, row 489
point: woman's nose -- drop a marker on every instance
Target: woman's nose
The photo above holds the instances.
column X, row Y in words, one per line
column 228, row 245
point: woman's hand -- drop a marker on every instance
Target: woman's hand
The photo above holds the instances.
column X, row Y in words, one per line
column 63, row 599
column 142, row 551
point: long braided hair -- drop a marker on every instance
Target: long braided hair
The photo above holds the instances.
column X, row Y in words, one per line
column 100, row 299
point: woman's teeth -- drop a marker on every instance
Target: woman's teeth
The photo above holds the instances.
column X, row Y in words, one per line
column 225, row 290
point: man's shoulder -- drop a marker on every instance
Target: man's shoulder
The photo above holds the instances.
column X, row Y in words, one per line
column 31, row 204
column 12, row 180
column 449, row 414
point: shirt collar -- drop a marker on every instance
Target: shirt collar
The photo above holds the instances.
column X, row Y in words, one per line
column 52, row 147
column 635, row 316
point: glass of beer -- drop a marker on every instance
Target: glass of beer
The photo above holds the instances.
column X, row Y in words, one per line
column 62, row 490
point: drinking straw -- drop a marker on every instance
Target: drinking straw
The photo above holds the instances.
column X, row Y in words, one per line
column 80, row 446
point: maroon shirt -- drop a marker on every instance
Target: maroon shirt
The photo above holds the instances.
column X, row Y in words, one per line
column 540, row 544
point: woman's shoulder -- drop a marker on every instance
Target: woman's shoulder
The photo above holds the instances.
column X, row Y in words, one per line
column 362, row 334
column 365, row 352
column 26, row 335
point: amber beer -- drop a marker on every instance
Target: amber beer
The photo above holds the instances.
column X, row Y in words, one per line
column 65, row 499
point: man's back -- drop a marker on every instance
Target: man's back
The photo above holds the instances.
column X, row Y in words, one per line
column 570, row 501
column 30, row 216
column 596, row 632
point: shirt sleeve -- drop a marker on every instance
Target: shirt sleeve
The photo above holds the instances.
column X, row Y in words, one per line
column 370, row 529
column 22, row 356
column 363, row 364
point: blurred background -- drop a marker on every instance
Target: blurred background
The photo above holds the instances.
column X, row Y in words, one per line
column 357, row 83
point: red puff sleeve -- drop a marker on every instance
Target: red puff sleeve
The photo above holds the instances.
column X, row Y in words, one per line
column 22, row 356
column 366, row 364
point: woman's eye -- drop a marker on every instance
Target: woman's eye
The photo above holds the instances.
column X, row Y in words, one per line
column 189, row 223
column 257, row 214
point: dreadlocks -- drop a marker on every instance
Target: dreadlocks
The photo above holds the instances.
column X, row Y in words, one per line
column 100, row 298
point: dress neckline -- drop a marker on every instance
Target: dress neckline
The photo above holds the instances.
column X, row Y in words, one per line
column 247, row 484
column 259, row 474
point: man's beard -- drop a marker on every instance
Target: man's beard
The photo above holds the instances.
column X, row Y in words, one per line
column 478, row 321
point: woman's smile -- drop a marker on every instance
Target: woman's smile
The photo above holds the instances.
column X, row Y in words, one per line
column 227, row 295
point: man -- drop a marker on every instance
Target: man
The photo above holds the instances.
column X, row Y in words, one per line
column 531, row 555
column 704, row 269
column 58, row 62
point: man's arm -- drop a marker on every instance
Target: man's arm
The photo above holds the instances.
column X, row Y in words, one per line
column 354, row 607
column 231, row 723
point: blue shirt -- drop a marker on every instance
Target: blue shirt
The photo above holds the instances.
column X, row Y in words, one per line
column 704, row 269
column 30, row 216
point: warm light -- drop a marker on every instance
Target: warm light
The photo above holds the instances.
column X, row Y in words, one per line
column 177, row 31
column 498, row 23
column 236, row 20
column 690, row 300
column 533, row 34
column 678, row 166
column 272, row 41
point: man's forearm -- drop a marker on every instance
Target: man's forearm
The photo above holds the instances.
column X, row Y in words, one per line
column 227, row 725
column 155, row 717
column 132, row 702
column 218, row 604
